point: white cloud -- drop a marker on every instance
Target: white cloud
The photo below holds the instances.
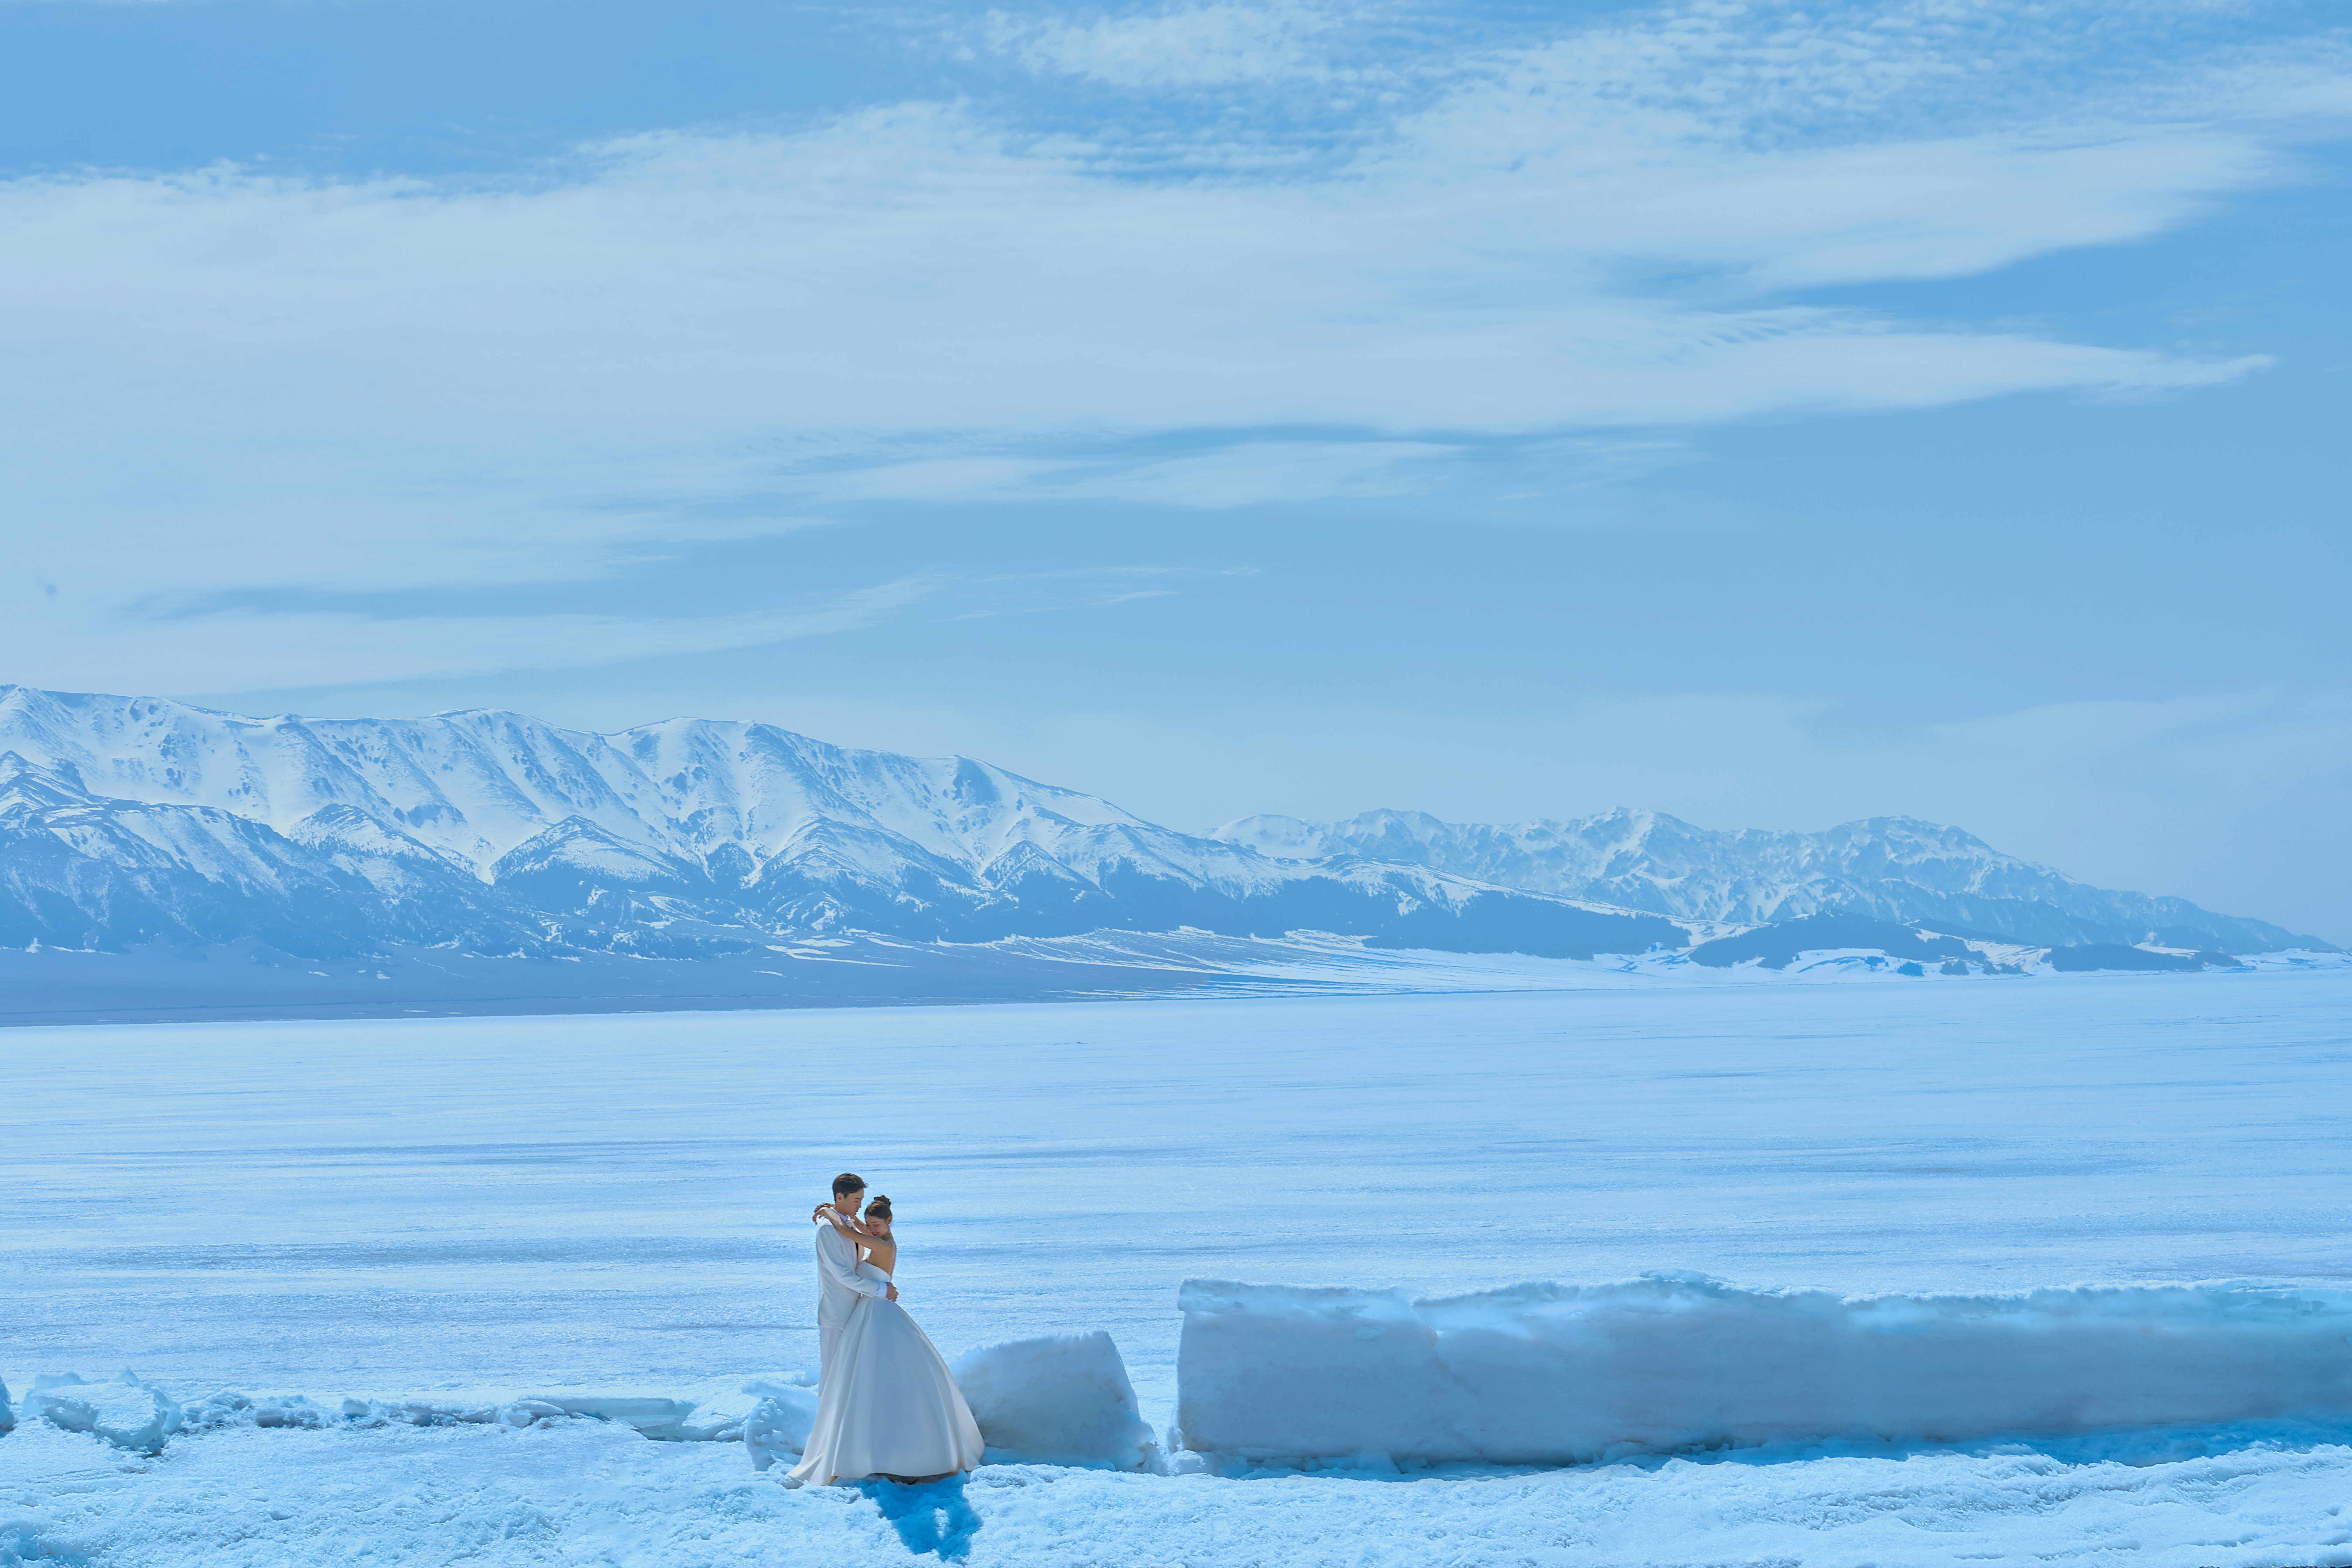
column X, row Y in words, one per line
column 84, row 642
column 99, row 645
column 1189, row 47
column 237, row 381
column 1244, row 473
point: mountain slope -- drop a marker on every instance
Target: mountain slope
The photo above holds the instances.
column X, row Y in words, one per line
column 79, row 871
column 1893, row 869
column 495, row 832
column 139, row 820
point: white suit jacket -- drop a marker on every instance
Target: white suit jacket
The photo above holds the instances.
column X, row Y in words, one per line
column 839, row 1285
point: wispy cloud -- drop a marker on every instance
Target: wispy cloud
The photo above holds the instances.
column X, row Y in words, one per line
column 1192, row 45
column 225, row 645
column 236, row 380
column 99, row 643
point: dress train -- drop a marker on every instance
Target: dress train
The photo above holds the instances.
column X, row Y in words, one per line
column 892, row 1408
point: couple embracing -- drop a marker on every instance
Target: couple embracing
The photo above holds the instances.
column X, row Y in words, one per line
column 886, row 1405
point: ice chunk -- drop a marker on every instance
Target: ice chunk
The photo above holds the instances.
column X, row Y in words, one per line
column 412, row 1413
column 127, row 1412
column 1552, row 1374
column 287, row 1410
column 528, row 1413
column 718, row 1420
column 778, row 1426
column 230, row 1408
column 438, row 1413
column 8, row 1413
column 1063, row 1400
column 655, row 1418
column 227, row 1408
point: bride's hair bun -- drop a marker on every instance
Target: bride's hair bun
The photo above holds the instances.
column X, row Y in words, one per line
column 878, row 1205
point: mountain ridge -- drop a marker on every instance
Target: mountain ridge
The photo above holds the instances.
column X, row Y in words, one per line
column 1897, row 868
column 503, row 832
column 128, row 820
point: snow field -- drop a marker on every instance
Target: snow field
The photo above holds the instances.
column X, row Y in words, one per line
column 586, row 1494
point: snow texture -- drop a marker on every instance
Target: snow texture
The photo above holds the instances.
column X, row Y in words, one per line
column 1562, row 1374
column 1064, row 1399
column 591, row 1494
column 778, row 1426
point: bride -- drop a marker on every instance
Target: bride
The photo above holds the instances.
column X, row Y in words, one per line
column 891, row 1409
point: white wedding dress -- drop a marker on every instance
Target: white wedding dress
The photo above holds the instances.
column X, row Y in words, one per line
column 892, row 1408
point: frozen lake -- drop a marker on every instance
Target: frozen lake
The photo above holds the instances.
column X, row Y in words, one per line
column 453, row 1208
column 383, row 1208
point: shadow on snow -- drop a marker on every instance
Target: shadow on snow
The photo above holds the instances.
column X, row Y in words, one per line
column 931, row 1516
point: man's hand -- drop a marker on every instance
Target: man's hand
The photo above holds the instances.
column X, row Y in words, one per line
column 890, row 1292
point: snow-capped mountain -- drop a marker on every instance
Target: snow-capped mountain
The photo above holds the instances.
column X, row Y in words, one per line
column 139, row 819
column 1893, row 869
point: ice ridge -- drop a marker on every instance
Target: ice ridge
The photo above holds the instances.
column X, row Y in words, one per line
column 1551, row 1374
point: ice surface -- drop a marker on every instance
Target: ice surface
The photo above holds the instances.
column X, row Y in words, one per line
column 1064, row 1399
column 466, row 1214
column 1561, row 1375
column 490, row 1209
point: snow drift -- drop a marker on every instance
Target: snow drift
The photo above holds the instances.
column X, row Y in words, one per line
column 1552, row 1374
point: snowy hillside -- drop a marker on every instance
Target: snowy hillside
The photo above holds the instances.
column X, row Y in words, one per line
column 129, row 820
column 139, row 821
column 1893, row 869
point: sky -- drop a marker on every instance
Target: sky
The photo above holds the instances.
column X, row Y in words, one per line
column 1774, row 414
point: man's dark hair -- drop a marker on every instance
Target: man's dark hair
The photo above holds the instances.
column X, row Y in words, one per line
column 846, row 1183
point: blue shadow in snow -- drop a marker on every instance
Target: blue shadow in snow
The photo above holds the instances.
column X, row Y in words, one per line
column 2139, row 1447
column 933, row 1517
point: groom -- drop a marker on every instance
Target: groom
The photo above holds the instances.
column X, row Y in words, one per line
column 838, row 1283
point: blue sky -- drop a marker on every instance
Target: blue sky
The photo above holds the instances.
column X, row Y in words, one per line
column 1773, row 415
